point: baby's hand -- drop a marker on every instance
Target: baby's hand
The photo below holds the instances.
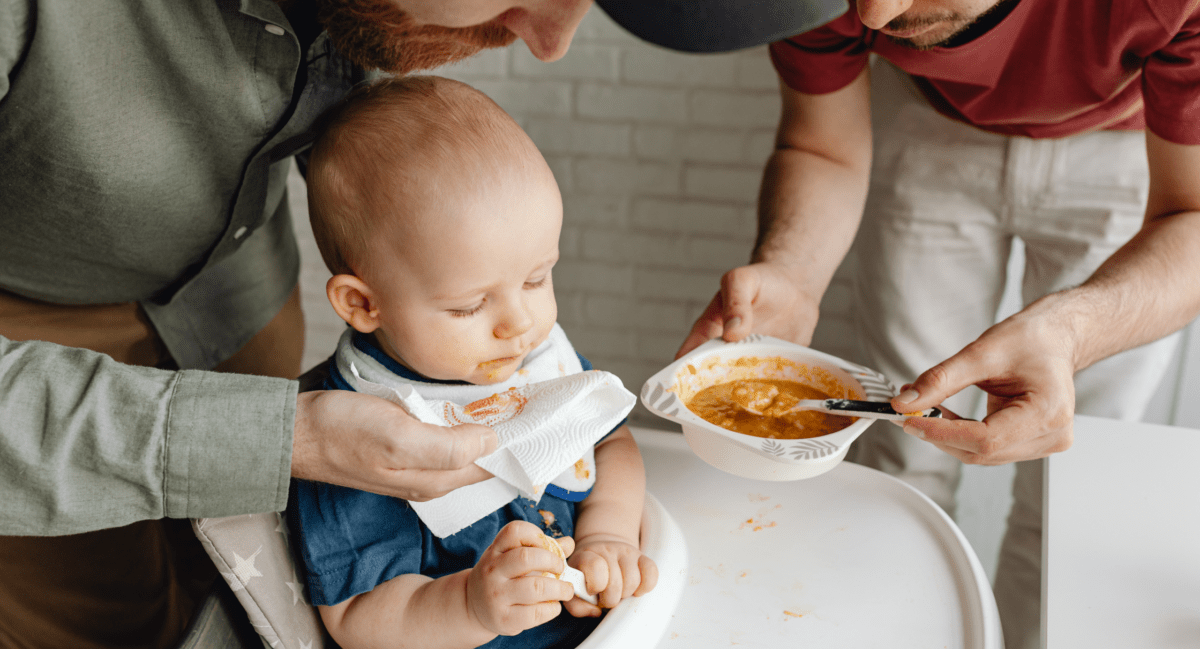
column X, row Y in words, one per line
column 507, row 591
column 613, row 568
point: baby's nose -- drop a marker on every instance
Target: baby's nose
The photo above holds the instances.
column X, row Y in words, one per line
column 516, row 322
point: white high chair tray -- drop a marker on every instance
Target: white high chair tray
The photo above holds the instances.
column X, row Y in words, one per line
column 851, row 558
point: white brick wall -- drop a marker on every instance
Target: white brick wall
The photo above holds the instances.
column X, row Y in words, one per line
column 659, row 157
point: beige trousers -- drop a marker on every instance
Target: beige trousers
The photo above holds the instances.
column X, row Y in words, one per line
column 946, row 202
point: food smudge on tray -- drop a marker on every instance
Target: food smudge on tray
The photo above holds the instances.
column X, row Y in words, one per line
column 758, row 522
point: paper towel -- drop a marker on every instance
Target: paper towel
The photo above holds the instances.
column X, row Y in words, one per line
column 543, row 429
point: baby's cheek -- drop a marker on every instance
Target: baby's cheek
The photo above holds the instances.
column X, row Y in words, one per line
column 459, row 361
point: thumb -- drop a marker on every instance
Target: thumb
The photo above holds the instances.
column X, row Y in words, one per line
column 707, row 327
column 940, row 382
column 739, row 287
column 443, row 448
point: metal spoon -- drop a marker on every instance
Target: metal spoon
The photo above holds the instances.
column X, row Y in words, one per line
column 851, row 408
column 766, row 403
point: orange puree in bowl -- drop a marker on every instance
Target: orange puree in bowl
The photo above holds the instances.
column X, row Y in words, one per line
column 734, row 405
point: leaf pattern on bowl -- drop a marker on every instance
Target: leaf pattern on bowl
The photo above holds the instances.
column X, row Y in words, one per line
column 877, row 386
column 812, row 449
column 660, row 400
column 773, row 447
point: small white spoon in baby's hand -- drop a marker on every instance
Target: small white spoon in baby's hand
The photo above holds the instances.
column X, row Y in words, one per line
column 575, row 578
column 846, row 407
column 569, row 574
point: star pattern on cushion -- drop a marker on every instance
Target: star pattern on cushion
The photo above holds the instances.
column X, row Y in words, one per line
column 297, row 590
column 243, row 571
column 246, row 547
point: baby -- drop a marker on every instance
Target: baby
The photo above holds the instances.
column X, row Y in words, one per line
column 440, row 221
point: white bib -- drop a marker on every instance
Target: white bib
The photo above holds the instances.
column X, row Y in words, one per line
column 548, row 416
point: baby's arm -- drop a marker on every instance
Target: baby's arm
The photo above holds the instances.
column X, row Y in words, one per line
column 498, row 596
column 607, row 528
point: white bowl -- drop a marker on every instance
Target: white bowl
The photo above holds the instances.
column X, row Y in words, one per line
column 666, row 394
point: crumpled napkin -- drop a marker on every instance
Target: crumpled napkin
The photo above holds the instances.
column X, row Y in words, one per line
column 543, row 428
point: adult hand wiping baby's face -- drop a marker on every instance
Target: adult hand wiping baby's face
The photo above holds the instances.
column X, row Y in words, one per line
column 458, row 286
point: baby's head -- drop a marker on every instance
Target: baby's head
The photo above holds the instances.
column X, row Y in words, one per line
column 440, row 220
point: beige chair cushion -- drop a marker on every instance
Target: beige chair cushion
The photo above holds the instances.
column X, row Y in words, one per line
column 252, row 553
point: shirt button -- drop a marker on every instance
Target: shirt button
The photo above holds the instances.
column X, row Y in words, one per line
column 274, row 29
column 240, row 232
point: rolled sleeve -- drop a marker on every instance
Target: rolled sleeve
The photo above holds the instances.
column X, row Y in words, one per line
column 825, row 59
column 1171, row 85
column 87, row 443
column 228, row 445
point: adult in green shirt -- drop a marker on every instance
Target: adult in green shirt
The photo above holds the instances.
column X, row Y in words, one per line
column 146, row 243
column 145, row 147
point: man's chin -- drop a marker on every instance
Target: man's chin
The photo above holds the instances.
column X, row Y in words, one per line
column 378, row 36
column 914, row 44
column 927, row 41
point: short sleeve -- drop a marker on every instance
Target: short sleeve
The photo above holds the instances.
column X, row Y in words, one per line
column 351, row 541
column 1171, row 85
column 825, row 59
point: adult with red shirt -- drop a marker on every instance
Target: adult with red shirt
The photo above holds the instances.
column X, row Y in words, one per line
column 1071, row 124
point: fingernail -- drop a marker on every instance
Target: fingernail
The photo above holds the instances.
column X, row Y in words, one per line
column 914, row 431
column 733, row 322
column 908, row 396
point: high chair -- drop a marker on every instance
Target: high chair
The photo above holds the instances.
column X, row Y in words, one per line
column 254, row 556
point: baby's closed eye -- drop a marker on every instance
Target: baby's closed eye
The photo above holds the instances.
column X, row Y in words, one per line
column 463, row 313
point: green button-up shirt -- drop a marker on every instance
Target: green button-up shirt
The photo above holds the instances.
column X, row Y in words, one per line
column 144, row 150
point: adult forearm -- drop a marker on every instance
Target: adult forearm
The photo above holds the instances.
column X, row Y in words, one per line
column 87, row 443
column 811, row 202
column 1026, row 363
column 1149, row 288
column 809, row 210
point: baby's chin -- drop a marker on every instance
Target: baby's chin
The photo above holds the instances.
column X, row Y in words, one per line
column 489, row 373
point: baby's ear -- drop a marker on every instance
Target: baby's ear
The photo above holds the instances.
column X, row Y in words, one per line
column 353, row 301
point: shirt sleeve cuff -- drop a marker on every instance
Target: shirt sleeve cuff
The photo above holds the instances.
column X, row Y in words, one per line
column 1172, row 128
column 813, row 73
column 228, row 445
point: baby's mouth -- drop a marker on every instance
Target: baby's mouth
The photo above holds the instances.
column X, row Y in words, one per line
column 498, row 362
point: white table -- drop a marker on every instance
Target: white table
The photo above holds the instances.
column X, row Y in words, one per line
column 851, row 558
column 1122, row 538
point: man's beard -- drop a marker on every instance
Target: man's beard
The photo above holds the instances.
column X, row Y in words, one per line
column 966, row 29
column 377, row 35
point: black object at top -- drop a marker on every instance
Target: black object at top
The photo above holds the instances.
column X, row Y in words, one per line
column 719, row 25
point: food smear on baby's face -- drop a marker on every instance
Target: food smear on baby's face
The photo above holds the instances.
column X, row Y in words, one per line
column 762, row 408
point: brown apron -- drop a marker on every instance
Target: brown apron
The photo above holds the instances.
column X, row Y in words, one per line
column 136, row 586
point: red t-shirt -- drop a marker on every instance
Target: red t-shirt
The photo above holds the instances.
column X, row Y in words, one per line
column 1051, row 68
